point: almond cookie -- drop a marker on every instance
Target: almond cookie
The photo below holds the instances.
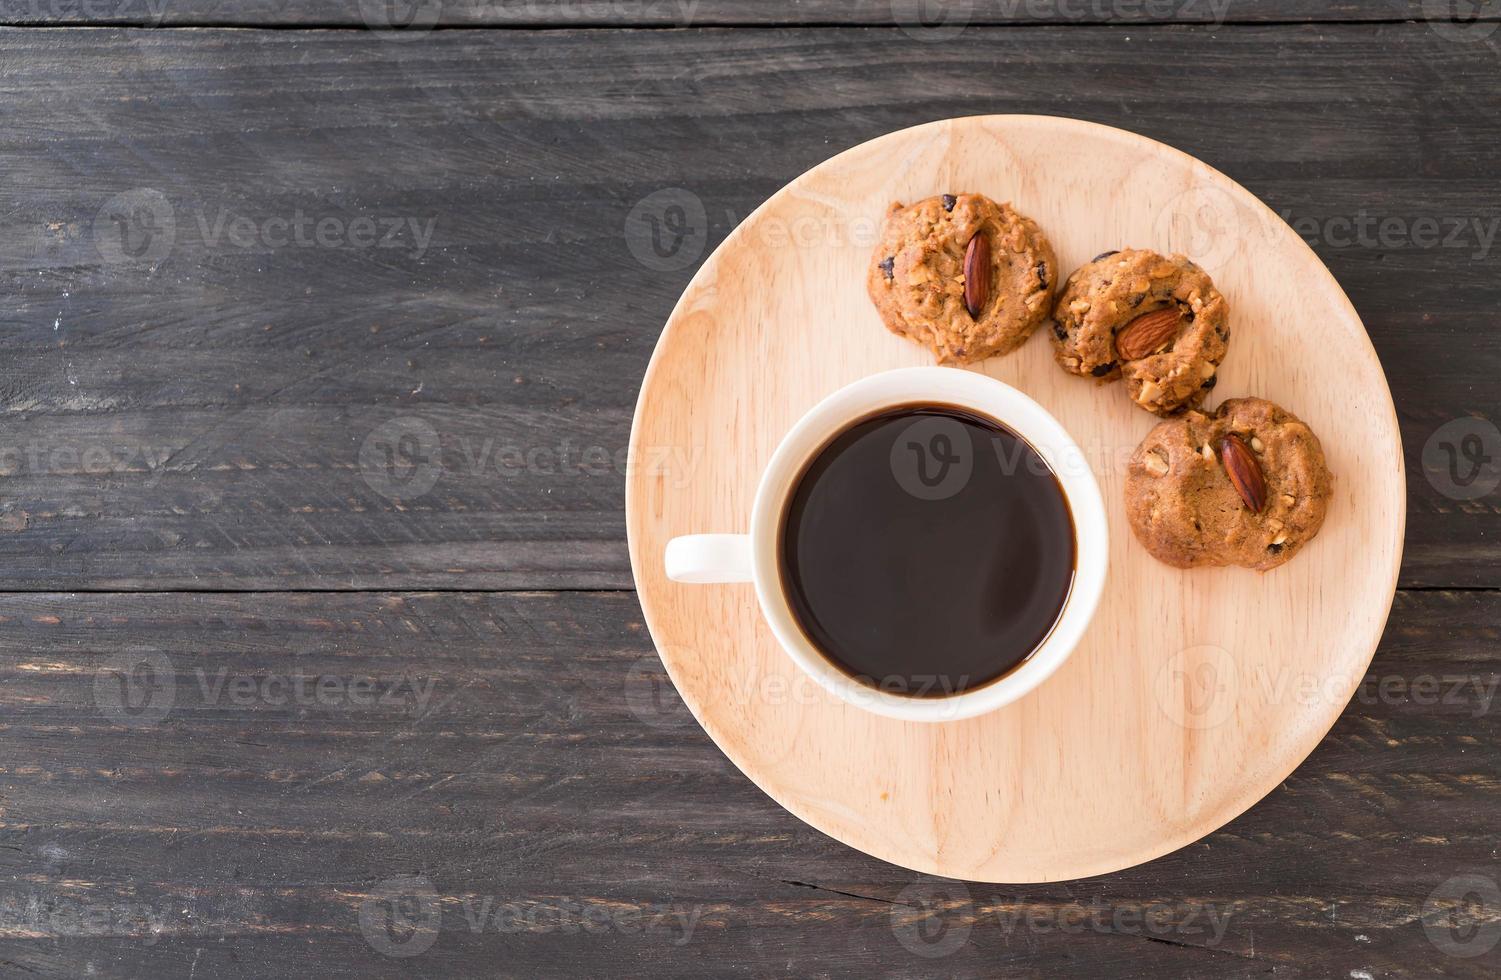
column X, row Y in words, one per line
column 1155, row 320
column 1245, row 486
column 962, row 275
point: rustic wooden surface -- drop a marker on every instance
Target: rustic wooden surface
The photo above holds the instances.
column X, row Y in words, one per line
column 419, row 15
column 182, row 467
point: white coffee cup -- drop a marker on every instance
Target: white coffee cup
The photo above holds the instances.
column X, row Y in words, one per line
column 753, row 557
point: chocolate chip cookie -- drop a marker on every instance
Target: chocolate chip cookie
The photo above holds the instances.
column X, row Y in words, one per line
column 1245, row 486
column 1155, row 320
column 962, row 275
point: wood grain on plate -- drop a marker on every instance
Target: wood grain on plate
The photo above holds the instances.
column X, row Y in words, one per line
column 1189, row 698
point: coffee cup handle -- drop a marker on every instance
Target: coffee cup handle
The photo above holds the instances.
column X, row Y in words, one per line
column 709, row 558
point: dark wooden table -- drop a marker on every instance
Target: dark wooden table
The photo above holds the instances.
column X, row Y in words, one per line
column 318, row 654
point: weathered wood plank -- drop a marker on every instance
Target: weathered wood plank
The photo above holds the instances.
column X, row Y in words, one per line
column 193, row 416
column 521, row 748
column 925, row 18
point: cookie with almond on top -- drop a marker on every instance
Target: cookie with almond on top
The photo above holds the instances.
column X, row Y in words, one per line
column 1247, row 485
column 1155, row 320
column 964, row 276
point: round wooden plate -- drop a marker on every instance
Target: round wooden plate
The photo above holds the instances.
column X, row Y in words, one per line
column 1194, row 692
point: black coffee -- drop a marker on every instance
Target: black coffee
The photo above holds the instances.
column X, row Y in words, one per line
column 926, row 550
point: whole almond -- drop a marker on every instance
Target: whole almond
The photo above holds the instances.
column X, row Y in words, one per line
column 977, row 273
column 1148, row 333
column 1244, row 472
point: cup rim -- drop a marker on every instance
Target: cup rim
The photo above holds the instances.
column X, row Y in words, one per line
column 975, row 392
